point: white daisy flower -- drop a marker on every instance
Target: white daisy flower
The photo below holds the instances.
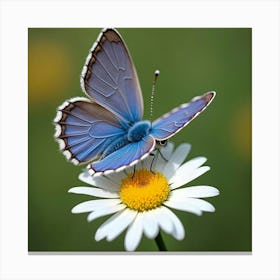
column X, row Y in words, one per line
column 141, row 199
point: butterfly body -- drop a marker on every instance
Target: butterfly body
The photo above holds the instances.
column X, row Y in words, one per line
column 115, row 145
column 139, row 130
column 106, row 129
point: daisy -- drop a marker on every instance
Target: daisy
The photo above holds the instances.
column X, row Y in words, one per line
column 141, row 198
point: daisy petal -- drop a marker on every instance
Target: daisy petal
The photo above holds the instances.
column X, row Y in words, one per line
column 196, row 202
column 134, row 233
column 178, row 229
column 196, row 192
column 123, row 222
column 184, row 178
column 176, row 160
column 100, row 232
column 98, row 181
column 151, row 228
column 201, row 204
column 160, row 162
column 167, row 150
column 105, row 224
column 188, row 167
column 147, row 163
column 94, row 192
column 163, row 221
column 195, row 162
column 92, row 205
column 116, row 178
column 105, row 211
column 181, row 205
column 115, row 225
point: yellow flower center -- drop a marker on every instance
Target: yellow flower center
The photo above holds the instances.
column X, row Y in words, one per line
column 144, row 190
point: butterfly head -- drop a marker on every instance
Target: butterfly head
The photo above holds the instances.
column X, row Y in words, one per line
column 161, row 143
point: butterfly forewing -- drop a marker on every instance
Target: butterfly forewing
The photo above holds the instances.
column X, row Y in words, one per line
column 109, row 77
column 172, row 122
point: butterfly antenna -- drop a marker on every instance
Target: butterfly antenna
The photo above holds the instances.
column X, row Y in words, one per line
column 156, row 74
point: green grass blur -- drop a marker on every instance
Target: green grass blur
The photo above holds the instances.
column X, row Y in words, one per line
column 192, row 61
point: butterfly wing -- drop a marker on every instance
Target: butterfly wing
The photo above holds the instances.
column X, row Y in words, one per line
column 109, row 77
column 84, row 129
column 172, row 122
column 126, row 156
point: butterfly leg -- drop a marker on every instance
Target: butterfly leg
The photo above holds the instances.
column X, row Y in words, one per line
column 162, row 155
column 151, row 166
column 134, row 170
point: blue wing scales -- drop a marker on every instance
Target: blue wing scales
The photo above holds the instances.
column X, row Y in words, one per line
column 126, row 156
column 84, row 129
column 172, row 122
column 110, row 79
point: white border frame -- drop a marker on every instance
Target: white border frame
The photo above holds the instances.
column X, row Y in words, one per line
column 17, row 16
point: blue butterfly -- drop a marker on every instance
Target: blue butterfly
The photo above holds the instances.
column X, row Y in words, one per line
column 106, row 129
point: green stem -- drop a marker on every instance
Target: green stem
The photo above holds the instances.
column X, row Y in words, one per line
column 160, row 242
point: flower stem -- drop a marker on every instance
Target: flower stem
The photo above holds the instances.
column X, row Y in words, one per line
column 160, row 242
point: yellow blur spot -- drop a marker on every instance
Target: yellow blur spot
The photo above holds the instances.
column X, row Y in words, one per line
column 48, row 70
column 241, row 131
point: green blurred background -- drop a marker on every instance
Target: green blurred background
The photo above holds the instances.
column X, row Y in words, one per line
column 192, row 61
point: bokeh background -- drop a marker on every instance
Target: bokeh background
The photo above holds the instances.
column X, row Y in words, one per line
column 191, row 61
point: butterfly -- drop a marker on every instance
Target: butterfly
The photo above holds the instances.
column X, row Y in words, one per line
column 106, row 129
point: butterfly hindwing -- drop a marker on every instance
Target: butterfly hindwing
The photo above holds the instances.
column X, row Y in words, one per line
column 84, row 129
column 109, row 77
column 126, row 156
column 172, row 122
